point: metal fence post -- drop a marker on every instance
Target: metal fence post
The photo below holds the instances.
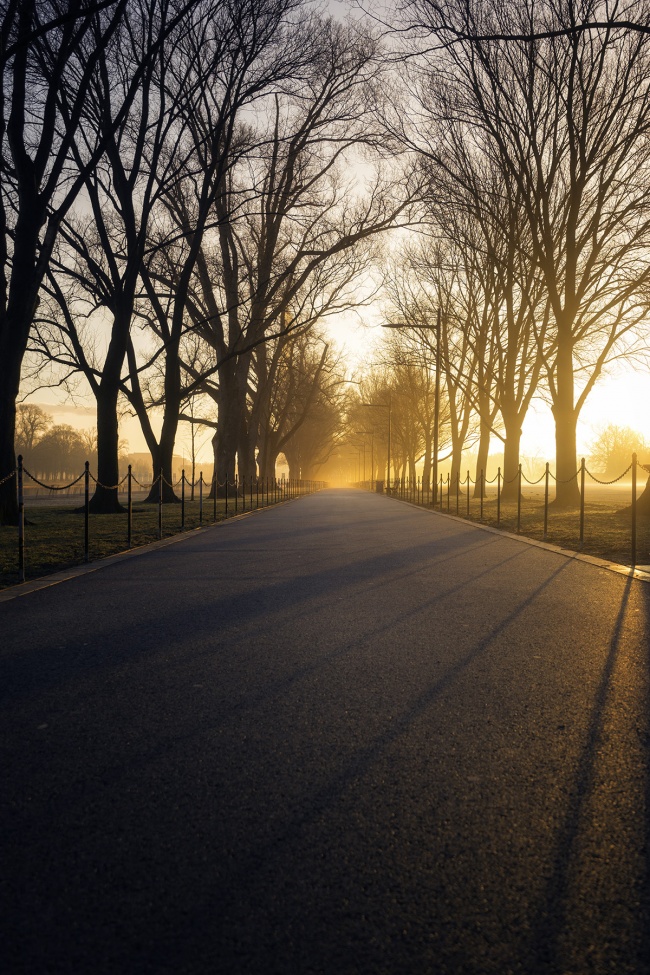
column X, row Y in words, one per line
column 546, row 501
column 468, row 494
column 236, row 486
column 183, row 500
column 481, row 493
column 129, row 507
column 215, row 485
column 86, row 509
column 226, row 494
column 582, row 502
column 21, row 520
column 200, row 497
column 499, row 496
column 448, row 489
column 458, row 491
column 160, row 499
column 633, row 553
column 519, row 500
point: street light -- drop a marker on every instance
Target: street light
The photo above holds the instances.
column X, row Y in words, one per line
column 384, row 406
column 371, row 434
column 436, row 401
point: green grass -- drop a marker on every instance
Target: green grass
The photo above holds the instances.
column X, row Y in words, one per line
column 607, row 530
column 54, row 536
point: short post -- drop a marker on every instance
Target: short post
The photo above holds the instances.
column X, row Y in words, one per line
column 458, row 491
column 21, row 520
column 251, row 505
column 546, row 474
column 226, row 494
column 160, row 499
column 498, row 496
column 243, row 493
column 183, row 500
column 441, row 483
column 582, row 502
column 633, row 553
column 86, row 509
column 257, row 492
column 200, row 497
column 468, row 494
column 481, row 494
column 448, row 489
column 129, row 507
column 519, row 500
column 215, row 485
column 236, row 486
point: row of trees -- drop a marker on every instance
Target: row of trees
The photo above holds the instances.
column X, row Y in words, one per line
column 533, row 130
column 178, row 210
column 190, row 187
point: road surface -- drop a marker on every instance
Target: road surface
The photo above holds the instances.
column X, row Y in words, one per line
column 343, row 735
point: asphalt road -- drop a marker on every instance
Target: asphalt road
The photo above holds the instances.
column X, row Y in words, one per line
column 340, row 736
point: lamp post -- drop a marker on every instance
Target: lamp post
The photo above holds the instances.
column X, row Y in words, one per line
column 368, row 433
column 436, row 400
column 385, row 406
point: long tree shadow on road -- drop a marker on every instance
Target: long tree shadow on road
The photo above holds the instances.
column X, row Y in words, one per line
column 587, row 811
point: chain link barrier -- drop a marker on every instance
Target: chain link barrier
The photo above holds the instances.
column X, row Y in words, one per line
column 145, row 487
column 108, row 487
column 405, row 488
column 532, row 483
column 614, row 481
column 52, row 487
column 9, row 476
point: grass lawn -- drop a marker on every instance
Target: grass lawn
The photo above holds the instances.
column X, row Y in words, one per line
column 54, row 536
column 607, row 528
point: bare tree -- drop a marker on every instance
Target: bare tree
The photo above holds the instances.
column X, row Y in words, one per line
column 290, row 252
column 566, row 114
column 39, row 117
column 241, row 57
column 101, row 253
column 299, row 382
column 32, row 422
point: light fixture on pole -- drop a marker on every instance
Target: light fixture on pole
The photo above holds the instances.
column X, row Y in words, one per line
column 436, row 401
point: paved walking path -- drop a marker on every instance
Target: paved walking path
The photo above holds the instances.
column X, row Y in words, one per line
column 344, row 735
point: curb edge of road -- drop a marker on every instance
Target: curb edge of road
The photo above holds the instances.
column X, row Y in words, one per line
column 643, row 575
column 45, row 582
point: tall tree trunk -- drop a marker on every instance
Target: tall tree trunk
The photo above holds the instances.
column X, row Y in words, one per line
column 15, row 323
column 162, row 455
column 643, row 501
column 104, row 500
column 426, row 470
column 246, row 451
column 511, row 454
column 482, row 458
column 456, row 458
column 567, row 492
column 11, row 355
